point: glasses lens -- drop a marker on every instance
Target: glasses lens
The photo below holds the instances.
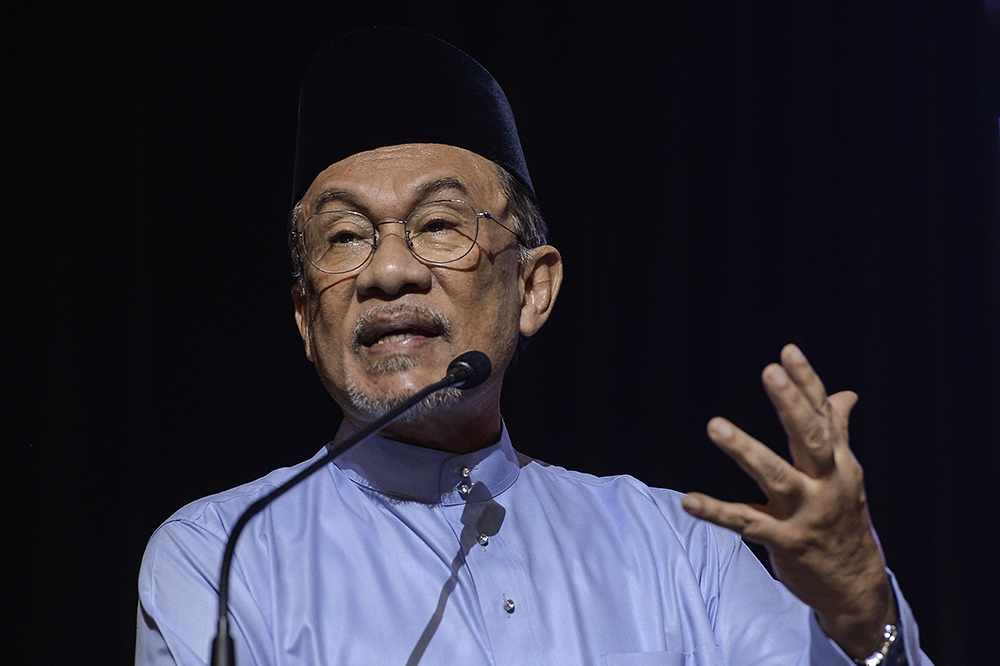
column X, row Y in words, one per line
column 442, row 231
column 338, row 241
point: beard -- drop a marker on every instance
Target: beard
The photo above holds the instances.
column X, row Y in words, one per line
column 372, row 405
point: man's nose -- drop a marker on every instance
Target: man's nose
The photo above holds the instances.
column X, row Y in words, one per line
column 393, row 269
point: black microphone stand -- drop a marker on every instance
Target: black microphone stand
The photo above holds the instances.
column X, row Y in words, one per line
column 467, row 371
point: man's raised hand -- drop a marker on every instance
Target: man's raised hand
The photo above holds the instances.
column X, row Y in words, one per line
column 815, row 524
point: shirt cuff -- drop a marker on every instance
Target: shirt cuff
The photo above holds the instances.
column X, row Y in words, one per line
column 824, row 650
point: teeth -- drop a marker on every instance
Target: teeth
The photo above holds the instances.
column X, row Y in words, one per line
column 393, row 337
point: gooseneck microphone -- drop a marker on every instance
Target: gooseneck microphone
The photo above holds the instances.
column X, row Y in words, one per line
column 466, row 371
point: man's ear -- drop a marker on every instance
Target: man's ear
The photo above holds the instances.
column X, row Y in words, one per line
column 541, row 276
column 301, row 300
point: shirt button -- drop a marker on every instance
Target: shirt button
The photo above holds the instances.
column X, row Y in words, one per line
column 465, row 471
column 464, row 488
column 508, row 605
column 483, row 539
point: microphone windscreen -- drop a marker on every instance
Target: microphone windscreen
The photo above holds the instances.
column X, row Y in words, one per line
column 474, row 366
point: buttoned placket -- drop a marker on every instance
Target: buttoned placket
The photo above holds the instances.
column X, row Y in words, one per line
column 497, row 580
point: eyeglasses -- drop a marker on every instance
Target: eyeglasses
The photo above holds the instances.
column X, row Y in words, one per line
column 438, row 232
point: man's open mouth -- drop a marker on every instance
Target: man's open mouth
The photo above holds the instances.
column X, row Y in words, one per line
column 397, row 323
column 399, row 336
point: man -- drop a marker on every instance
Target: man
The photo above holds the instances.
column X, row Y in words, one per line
column 416, row 239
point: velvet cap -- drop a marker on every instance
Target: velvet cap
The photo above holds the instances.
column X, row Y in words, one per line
column 388, row 86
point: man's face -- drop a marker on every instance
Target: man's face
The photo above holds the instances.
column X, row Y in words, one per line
column 392, row 326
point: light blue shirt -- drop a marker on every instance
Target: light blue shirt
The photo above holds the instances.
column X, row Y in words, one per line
column 398, row 554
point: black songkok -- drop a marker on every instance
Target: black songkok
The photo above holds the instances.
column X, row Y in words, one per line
column 388, row 86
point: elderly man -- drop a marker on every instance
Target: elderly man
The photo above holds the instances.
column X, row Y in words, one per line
column 416, row 239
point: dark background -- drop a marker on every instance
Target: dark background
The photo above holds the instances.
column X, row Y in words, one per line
column 818, row 172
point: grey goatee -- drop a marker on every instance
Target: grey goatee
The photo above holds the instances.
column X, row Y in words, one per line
column 376, row 405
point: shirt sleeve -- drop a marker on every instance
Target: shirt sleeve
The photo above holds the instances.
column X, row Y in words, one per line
column 909, row 633
column 178, row 601
column 788, row 632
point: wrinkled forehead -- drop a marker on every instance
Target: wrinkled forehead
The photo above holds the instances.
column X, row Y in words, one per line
column 382, row 87
column 404, row 176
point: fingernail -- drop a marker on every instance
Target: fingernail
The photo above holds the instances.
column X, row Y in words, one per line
column 795, row 354
column 691, row 504
column 720, row 428
column 777, row 376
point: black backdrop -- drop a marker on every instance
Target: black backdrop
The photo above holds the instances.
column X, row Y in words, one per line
column 818, row 172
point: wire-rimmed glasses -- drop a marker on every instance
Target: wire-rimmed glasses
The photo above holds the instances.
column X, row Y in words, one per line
column 437, row 232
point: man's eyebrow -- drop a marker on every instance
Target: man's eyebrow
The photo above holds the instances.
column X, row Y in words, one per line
column 428, row 190
column 336, row 195
column 424, row 192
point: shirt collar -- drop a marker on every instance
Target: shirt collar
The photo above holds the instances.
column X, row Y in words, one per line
column 414, row 473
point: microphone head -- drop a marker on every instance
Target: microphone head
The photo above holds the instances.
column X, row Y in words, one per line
column 470, row 369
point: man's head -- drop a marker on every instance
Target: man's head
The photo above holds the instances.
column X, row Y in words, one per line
column 381, row 330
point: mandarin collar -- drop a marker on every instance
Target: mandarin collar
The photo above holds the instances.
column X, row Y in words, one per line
column 415, row 473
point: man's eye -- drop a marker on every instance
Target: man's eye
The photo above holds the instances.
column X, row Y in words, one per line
column 343, row 238
column 346, row 233
column 437, row 225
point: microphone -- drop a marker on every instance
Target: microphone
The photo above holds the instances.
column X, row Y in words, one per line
column 470, row 369
column 465, row 372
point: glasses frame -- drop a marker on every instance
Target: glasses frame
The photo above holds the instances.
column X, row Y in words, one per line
column 300, row 237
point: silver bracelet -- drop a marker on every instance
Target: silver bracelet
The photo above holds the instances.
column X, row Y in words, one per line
column 889, row 634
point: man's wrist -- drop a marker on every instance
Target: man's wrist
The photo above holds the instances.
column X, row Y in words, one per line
column 891, row 647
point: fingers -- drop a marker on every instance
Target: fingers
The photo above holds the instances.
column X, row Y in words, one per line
column 802, row 375
column 806, row 414
column 746, row 519
column 773, row 474
column 817, row 430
